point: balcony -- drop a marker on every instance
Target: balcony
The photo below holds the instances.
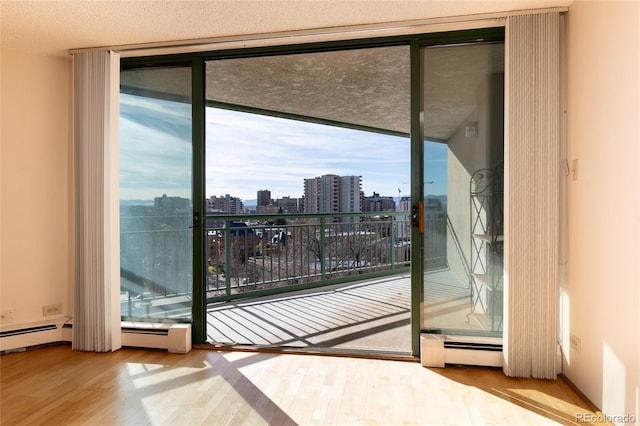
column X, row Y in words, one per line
column 339, row 281
column 367, row 315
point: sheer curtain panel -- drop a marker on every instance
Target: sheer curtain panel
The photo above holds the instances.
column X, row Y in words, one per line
column 532, row 116
column 96, row 311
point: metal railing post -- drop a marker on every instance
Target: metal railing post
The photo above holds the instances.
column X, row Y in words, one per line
column 392, row 240
column 322, row 266
column 227, row 256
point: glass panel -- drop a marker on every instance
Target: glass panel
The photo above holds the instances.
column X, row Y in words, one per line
column 289, row 138
column 155, row 194
column 463, row 162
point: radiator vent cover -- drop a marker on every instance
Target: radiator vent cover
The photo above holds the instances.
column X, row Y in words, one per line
column 437, row 350
column 473, row 346
column 28, row 330
column 152, row 331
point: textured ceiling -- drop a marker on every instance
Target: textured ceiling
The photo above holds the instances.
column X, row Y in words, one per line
column 367, row 87
column 364, row 87
column 56, row 26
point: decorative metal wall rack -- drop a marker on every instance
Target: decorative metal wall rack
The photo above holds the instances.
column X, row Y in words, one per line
column 487, row 247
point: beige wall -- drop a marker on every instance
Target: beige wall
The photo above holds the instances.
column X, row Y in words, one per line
column 602, row 302
column 35, row 163
column 601, row 305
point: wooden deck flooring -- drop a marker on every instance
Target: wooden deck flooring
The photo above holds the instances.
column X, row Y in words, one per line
column 371, row 315
column 351, row 316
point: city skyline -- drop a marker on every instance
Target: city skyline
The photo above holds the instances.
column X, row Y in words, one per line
column 256, row 200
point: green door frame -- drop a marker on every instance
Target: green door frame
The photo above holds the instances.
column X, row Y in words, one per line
column 197, row 63
column 417, row 173
column 199, row 307
column 417, row 160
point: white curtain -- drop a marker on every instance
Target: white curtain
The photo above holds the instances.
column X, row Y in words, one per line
column 96, row 304
column 532, row 116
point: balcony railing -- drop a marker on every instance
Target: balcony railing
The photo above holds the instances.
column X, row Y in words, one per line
column 252, row 255
column 286, row 252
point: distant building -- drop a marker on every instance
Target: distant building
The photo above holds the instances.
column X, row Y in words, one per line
column 329, row 194
column 287, row 204
column 172, row 205
column 376, row 203
column 270, row 209
column 312, row 195
column 264, row 198
column 405, row 204
column 235, row 204
column 404, row 231
column 225, row 205
column 350, row 196
column 333, row 194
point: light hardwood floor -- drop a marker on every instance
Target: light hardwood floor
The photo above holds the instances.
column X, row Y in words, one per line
column 57, row 386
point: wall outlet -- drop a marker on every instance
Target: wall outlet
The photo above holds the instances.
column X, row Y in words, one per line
column 6, row 314
column 575, row 343
column 52, row 310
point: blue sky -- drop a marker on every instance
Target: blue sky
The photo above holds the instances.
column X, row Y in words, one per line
column 248, row 152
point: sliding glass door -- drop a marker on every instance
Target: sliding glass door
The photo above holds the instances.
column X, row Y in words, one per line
column 279, row 170
column 462, row 186
column 155, row 194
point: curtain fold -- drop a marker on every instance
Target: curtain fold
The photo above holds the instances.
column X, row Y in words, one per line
column 532, row 116
column 96, row 304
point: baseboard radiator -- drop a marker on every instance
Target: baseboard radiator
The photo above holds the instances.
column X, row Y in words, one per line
column 31, row 335
column 437, row 350
column 175, row 338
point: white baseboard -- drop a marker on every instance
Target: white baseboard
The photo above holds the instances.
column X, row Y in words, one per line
column 175, row 338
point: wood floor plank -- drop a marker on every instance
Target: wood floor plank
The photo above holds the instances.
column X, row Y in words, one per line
column 55, row 385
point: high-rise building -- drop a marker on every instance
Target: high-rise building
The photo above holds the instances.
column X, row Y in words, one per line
column 264, row 197
column 311, row 195
column 329, row 193
column 349, row 196
column 235, row 204
column 332, row 194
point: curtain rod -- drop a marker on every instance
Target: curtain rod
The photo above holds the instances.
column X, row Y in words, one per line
column 383, row 29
